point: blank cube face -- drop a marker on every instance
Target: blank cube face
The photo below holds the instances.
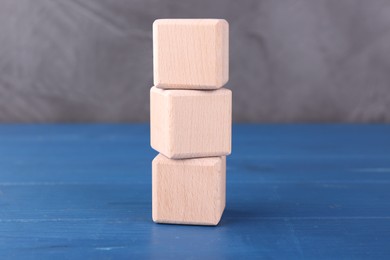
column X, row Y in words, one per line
column 191, row 123
column 190, row 191
column 190, row 53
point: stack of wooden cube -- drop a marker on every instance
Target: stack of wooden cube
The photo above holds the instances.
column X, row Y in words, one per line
column 191, row 117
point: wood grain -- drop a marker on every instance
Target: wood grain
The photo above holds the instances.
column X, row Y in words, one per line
column 191, row 123
column 190, row 53
column 294, row 191
column 190, row 191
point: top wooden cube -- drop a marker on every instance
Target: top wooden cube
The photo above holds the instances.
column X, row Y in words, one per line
column 190, row 53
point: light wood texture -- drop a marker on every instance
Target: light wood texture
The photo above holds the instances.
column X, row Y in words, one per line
column 190, row 53
column 191, row 123
column 190, row 191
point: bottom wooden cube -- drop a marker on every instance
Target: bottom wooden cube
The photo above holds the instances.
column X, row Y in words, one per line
column 189, row 191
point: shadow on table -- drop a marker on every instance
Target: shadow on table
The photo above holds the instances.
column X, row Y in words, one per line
column 234, row 216
column 256, row 212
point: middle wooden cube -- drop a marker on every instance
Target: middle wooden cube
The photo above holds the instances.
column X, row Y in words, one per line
column 191, row 123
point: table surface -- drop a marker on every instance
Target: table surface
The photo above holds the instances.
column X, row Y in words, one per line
column 293, row 191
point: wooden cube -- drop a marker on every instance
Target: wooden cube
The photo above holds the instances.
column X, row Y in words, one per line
column 191, row 123
column 190, row 191
column 190, row 53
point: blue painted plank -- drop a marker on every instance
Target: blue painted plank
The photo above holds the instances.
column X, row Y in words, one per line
column 294, row 191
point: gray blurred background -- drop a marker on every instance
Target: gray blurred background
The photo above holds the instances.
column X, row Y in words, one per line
column 290, row 60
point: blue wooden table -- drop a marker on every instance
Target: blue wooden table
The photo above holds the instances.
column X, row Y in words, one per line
column 293, row 191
